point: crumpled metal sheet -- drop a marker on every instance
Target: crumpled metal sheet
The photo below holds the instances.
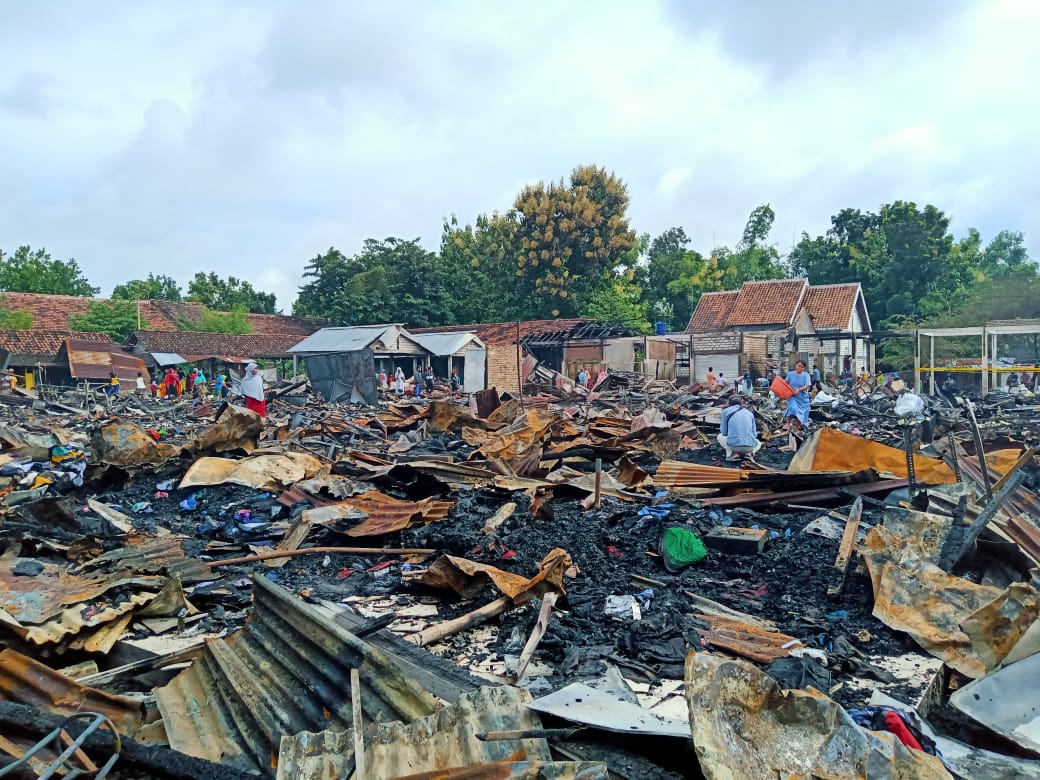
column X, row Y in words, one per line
column 1006, row 701
column 54, row 604
column 580, row 703
column 152, row 555
column 970, row 627
column 235, row 429
column 26, row 681
column 520, row 444
column 286, row 671
column 829, row 449
column 442, row 745
column 123, row 444
column 744, row 725
column 465, row 577
column 263, row 472
column 743, row 638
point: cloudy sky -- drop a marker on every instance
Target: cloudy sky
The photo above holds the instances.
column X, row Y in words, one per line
column 245, row 137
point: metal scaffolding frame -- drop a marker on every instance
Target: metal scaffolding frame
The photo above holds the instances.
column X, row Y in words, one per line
column 988, row 333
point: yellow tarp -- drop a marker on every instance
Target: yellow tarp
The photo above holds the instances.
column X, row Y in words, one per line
column 831, row 450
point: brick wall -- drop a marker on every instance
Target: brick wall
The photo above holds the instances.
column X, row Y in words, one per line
column 501, row 367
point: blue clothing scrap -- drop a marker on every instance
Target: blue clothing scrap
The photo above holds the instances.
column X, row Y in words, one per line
column 798, row 404
column 739, row 427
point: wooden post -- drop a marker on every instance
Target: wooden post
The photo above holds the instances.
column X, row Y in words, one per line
column 985, row 363
column 917, row 359
column 599, row 479
column 448, row 627
column 359, row 728
column 931, row 366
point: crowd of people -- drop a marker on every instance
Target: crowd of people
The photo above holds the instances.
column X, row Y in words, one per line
column 175, row 384
column 423, row 381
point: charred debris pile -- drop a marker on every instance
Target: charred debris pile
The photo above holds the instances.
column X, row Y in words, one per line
column 548, row 586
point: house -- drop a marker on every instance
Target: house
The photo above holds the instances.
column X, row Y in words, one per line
column 563, row 345
column 343, row 363
column 768, row 324
column 92, row 361
column 33, row 353
column 462, row 352
column 213, row 351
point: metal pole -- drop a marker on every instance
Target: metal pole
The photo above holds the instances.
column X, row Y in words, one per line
column 931, row 365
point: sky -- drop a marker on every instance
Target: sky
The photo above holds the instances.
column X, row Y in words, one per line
column 247, row 137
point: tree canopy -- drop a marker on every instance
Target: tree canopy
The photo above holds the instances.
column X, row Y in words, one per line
column 154, row 288
column 37, row 272
column 117, row 319
column 229, row 294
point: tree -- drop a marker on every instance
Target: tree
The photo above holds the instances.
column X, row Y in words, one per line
column 675, row 276
column 618, row 301
column 154, row 288
column 389, row 281
column 116, row 319
column 36, row 272
column 571, row 239
column 754, row 259
column 229, row 294
column 482, row 260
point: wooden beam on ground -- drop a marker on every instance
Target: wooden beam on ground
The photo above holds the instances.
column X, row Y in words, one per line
column 848, row 542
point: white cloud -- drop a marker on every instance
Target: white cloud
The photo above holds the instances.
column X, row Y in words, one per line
column 244, row 139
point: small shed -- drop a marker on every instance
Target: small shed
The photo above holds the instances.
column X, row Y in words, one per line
column 461, row 351
column 391, row 346
column 93, row 361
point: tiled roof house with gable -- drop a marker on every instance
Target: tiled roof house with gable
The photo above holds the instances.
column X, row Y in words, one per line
column 765, row 324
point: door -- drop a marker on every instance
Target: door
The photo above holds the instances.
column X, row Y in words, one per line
column 473, row 370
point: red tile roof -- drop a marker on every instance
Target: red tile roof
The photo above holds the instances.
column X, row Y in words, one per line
column 503, row 333
column 190, row 344
column 831, row 305
column 52, row 312
column 773, row 302
column 712, row 312
column 33, row 346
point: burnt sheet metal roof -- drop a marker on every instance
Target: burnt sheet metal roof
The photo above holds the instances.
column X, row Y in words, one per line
column 386, row 514
column 150, row 555
column 26, row 681
column 286, row 671
column 93, row 360
column 444, row 743
column 673, row 473
column 1022, row 508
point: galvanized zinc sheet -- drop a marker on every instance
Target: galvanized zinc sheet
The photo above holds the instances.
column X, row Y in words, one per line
column 442, row 344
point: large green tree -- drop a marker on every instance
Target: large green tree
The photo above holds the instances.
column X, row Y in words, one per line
column 228, row 294
column 37, row 272
column 572, row 237
column 482, row 261
column 117, row 319
column 675, row 276
column 154, row 288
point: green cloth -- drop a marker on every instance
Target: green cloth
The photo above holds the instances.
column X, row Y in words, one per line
column 681, row 547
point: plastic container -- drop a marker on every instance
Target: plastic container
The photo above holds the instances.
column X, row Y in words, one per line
column 660, row 328
column 782, row 390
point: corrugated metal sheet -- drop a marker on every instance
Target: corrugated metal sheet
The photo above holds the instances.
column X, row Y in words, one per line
column 348, row 339
column 441, row 745
column 286, row 671
column 344, row 375
column 1022, row 508
column 167, row 359
column 151, row 555
column 26, row 681
column 90, row 360
column 386, row 514
column 442, row 344
column 673, row 473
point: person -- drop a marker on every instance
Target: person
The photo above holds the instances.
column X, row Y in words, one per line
column 113, row 385
column 709, row 379
column 747, row 386
column 949, row 387
column 171, row 384
column 720, row 383
column 142, row 388
column 846, row 377
column 199, row 384
column 383, row 383
column 583, row 377
column 1013, row 380
column 739, row 432
column 429, row 378
column 797, row 411
column 456, row 385
column 182, row 382
column 155, row 388
column 602, row 375
column 399, row 381
column 219, row 386
column 817, row 378
column 253, row 390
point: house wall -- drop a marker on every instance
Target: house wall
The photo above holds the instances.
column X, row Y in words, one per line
column 579, row 356
column 502, row 367
column 620, row 354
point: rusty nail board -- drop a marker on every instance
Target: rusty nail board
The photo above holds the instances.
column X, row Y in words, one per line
column 848, row 540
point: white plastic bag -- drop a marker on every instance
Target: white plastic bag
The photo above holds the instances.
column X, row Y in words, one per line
column 909, row 405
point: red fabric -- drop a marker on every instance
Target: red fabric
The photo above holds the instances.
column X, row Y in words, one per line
column 260, row 407
column 896, row 726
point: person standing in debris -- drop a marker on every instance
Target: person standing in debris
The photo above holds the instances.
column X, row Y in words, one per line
column 200, row 384
column 817, row 378
column 798, row 404
column 583, row 377
column 253, row 390
column 170, row 380
column 219, row 387
column 142, row 388
column 429, row 378
column 399, row 381
column 709, row 379
column 747, row 386
column 720, row 383
column 383, row 383
column 113, row 384
column 739, row 432
column 456, row 385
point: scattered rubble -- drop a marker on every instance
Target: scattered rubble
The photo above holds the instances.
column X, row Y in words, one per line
column 565, row 583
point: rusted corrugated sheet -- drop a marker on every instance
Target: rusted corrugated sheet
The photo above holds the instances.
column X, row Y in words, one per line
column 286, row 671
column 673, row 473
column 151, row 555
column 386, row 514
column 441, row 745
column 1022, row 506
column 26, row 681
column 90, row 360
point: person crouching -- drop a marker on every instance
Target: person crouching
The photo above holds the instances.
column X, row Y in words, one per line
column 739, row 434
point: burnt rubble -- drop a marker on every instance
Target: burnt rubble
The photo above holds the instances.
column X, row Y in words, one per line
column 549, row 585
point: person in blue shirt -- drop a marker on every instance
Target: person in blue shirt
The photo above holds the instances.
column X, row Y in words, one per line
column 739, row 432
column 798, row 404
